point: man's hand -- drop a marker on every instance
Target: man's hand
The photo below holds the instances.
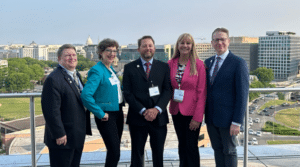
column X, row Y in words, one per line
column 62, row 140
column 194, row 125
column 234, row 130
column 150, row 114
column 105, row 118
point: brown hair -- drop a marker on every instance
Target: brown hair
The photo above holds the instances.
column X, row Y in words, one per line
column 145, row 37
column 105, row 43
column 222, row 29
column 62, row 48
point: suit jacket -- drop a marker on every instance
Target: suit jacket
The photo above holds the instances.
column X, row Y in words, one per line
column 98, row 84
column 227, row 97
column 194, row 87
column 63, row 111
column 136, row 91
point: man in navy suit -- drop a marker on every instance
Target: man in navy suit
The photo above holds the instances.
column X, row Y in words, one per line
column 67, row 121
column 227, row 94
column 147, row 90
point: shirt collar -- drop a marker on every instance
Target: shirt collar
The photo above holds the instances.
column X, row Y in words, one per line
column 144, row 61
column 68, row 71
column 224, row 55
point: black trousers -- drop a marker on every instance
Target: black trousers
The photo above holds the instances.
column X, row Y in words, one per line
column 111, row 132
column 139, row 136
column 187, row 141
column 65, row 157
column 224, row 146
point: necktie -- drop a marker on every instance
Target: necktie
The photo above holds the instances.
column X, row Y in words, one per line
column 76, row 81
column 147, row 69
column 215, row 70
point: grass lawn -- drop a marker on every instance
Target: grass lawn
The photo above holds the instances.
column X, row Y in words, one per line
column 270, row 142
column 290, row 117
column 274, row 103
column 14, row 108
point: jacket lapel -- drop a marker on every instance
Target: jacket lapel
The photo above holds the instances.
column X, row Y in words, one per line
column 70, row 82
column 226, row 63
column 140, row 68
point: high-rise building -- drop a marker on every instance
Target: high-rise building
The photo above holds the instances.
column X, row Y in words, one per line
column 280, row 51
column 245, row 47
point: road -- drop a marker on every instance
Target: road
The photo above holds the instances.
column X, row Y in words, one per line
column 262, row 140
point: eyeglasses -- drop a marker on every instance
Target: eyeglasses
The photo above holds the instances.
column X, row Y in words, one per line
column 220, row 39
column 111, row 51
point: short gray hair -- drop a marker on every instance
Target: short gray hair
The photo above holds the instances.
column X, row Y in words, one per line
column 62, row 48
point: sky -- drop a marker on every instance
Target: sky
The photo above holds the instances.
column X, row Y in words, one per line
column 72, row 21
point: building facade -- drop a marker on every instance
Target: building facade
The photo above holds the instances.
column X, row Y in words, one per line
column 245, row 47
column 280, row 51
column 35, row 51
column 162, row 52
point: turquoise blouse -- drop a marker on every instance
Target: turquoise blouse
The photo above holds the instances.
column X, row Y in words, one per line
column 98, row 95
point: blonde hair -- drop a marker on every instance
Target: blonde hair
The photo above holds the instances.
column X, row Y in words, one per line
column 193, row 56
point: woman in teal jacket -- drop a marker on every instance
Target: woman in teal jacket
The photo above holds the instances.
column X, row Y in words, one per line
column 102, row 96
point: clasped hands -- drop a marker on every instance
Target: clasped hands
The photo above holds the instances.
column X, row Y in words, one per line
column 150, row 114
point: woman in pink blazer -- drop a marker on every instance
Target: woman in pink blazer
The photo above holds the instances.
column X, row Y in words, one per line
column 188, row 79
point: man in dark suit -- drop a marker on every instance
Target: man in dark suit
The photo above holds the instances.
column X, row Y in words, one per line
column 147, row 90
column 227, row 94
column 67, row 121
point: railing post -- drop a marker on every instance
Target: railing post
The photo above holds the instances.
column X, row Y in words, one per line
column 32, row 129
column 246, row 134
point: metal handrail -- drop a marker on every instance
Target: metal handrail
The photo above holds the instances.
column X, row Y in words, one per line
column 32, row 117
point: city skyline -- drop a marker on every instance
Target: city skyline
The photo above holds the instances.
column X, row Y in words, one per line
column 62, row 22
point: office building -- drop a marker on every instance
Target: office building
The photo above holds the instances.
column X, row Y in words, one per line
column 280, row 51
column 162, row 52
column 35, row 51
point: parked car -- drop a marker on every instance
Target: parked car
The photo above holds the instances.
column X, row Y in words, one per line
column 257, row 120
column 285, row 104
column 251, row 132
column 265, row 110
column 268, row 114
column 261, row 113
column 250, row 122
column 272, row 107
column 249, row 119
column 251, row 111
column 258, row 133
column 254, row 141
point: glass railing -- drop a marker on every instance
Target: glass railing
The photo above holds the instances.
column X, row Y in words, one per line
column 269, row 121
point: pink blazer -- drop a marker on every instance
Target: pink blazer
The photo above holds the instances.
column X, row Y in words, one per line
column 194, row 87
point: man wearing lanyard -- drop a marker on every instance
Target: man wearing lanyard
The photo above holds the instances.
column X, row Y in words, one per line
column 227, row 94
column 147, row 90
column 67, row 121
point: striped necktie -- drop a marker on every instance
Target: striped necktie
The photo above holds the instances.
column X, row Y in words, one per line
column 147, row 69
column 216, row 69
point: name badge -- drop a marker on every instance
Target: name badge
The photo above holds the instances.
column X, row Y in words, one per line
column 154, row 91
column 178, row 95
column 114, row 80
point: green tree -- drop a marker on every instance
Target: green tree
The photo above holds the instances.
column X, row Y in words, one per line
column 280, row 96
column 255, row 84
column 38, row 72
column 264, row 75
column 17, row 82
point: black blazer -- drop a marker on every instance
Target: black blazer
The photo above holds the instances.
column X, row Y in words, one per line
column 136, row 91
column 227, row 97
column 63, row 111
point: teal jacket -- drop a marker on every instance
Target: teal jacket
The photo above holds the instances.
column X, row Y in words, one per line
column 98, row 95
